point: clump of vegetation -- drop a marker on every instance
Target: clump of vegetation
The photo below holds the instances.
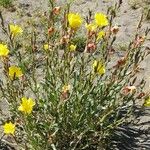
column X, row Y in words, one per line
column 6, row 3
column 63, row 93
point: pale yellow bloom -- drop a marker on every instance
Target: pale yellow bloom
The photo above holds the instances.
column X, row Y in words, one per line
column 72, row 47
column 9, row 128
column 15, row 71
column 46, row 46
column 3, row 50
column 99, row 67
column 91, row 27
column 100, row 35
column 15, row 29
column 147, row 102
column 66, row 88
column 101, row 20
column 26, row 105
column 74, row 20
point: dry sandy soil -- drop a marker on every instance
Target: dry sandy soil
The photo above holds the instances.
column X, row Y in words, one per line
column 127, row 18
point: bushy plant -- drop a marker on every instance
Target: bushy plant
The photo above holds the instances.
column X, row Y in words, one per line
column 6, row 3
column 68, row 92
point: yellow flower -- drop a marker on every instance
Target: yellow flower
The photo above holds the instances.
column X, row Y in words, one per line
column 74, row 20
column 46, row 46
column 147, row 102
column 3, row 50
column 100, row 35
column 15, row 71
column 91, row 27
column 15, row 29
column 26, row 105
column 98, row 67
column 101, row 19
column 66, row 88
column 9, row 128
column 73, row 47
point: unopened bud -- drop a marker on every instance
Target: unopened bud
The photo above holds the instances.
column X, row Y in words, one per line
column 51, row 30
column 56, row 10
column 91, row 47
column 115, row 29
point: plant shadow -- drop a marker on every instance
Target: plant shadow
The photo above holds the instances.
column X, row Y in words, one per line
column 133, row 136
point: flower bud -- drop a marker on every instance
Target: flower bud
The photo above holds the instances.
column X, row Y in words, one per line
column 51, row 30
column 91, row 47
column 115, row 29
column 56, row 10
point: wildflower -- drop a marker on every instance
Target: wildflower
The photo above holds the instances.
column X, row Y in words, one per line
column 9, row 128
column 56, row 10
column 3, row 50
column 72, row 47
column 26, row 105
column 91, row 27
column 100, row 35
column 147, row 102
column 65, row 92
column 66, row 88
column 74, row 20
column 15, row 71
column 15, row 29
column 98, row 67
column 46, row 46
column 101, row 20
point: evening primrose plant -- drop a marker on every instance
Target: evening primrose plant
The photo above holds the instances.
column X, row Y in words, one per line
column 67, row 92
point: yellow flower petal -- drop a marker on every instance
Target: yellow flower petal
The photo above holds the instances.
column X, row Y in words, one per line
column 147, row 102
column 20, row 108
column 66, row 88
column 15, row 29
column 31, row 102
column 46, row 46
column 15, row 71
column 3, row 50
column 9, row 128
column 101, row 20
column 74, row 20
column 99, row 67
column 26, row 105
column 73, row 48
column 100, row 35
column 91, row 27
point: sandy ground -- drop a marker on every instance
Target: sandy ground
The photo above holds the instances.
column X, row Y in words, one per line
column 127, row 19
